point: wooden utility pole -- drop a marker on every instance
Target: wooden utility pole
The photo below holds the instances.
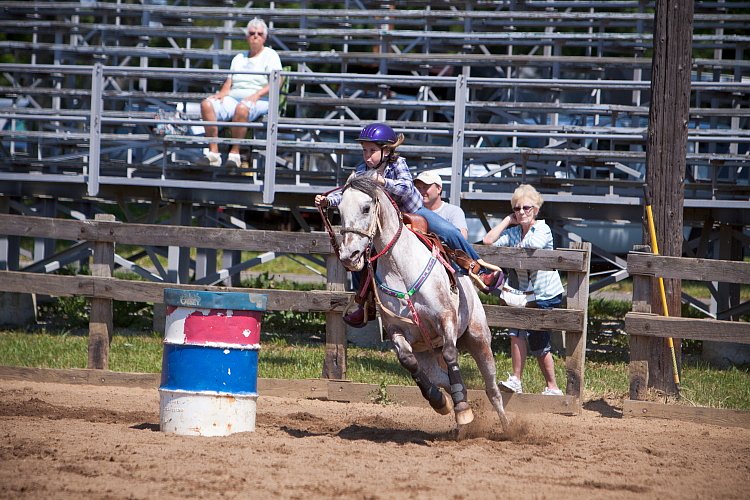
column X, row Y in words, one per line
column 665, row 158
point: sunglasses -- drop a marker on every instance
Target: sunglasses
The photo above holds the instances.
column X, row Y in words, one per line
column 525, row 208
column 254, row 33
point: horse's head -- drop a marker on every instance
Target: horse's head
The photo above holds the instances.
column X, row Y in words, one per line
column 359, row 209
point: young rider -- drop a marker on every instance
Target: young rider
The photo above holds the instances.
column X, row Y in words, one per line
column 379, row 143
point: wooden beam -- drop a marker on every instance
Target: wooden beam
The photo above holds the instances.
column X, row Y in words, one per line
column 534, row 258
column 640, row 347
column 80, row 376
column 698, row 414
column 575, row 338
column 684, row 268
column 653, row 325
column 100, row 318
column 165, row 235
column 146, row 291
column 544, row 319
column 333, row 390
column 334, row 363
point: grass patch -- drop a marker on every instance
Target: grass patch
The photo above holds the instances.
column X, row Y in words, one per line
column 280, row 358
column 292, row 348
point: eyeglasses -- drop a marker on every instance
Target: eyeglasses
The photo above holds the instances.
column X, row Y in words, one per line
column 525, row 208
column 254, row 33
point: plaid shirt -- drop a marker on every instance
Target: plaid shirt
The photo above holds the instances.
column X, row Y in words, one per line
column 398, row 183
column 546, row 284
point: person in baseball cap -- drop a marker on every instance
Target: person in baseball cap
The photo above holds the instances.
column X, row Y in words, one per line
column 430, row 186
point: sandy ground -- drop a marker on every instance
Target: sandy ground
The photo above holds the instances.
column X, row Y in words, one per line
column 81, row 441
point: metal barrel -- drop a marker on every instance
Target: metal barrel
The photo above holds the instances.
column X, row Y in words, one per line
column 209, row 370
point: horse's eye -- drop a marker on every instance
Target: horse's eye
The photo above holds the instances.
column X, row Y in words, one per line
column 366, row 210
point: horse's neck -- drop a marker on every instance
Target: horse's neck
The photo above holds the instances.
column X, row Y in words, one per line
column 408, row 254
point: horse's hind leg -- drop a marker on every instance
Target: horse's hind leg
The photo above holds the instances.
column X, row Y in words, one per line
column 430, row 391
column 477, row 342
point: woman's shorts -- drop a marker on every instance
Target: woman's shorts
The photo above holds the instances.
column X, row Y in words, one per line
column 225, row 108
column 539, row 340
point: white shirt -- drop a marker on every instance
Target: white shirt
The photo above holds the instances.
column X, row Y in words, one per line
column 264, row 62
column 453, row 214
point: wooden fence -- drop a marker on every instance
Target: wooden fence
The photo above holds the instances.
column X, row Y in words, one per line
column 643, row 326
column 101, row 287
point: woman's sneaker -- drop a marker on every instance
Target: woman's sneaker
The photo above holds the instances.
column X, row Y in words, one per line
column 233, row 161
column 552, row 392
column 513, row 384
column 209, row 160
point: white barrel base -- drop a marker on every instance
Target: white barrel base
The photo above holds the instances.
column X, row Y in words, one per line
column 206, row 414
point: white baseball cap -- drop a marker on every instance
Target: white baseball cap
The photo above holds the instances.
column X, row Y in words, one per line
column 429, row 177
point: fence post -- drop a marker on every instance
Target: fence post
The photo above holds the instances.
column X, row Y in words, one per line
column 95, row 126
column 272, row 135
column 334, row 365
column 100, row 320
column 640, row 347
column 459, row 117
column 575, row 342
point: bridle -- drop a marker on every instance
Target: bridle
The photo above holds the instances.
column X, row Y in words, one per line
column 371, row 230
column 370, row 234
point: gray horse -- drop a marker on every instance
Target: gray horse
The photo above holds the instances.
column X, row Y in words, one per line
column 427, row 317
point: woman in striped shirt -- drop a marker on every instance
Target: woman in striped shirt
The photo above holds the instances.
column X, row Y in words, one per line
column 522, row 229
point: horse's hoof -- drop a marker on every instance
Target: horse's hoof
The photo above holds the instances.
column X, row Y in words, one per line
column 464, row 417
column 504, row 423
column 447, row 406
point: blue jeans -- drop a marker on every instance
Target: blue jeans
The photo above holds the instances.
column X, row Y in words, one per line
column 539, row 340
column 447, row 232
column 444, row 230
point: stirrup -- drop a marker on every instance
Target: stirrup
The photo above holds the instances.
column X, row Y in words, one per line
column 487, row 265
column 479, row 280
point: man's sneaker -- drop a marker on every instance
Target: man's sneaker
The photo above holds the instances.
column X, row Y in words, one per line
column 233, row 160
column 513, row 384
column 552, row 392
column 210, row 160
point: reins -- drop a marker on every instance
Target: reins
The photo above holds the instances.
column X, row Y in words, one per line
column 327, row 224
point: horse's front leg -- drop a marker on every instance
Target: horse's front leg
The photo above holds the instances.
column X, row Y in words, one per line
column 408, row 360
column 464, row 415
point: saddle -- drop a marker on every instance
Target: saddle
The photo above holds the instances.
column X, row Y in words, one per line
column 364, row 298
column 420, row 227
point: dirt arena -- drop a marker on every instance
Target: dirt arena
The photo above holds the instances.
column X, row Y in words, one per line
column 82, row 441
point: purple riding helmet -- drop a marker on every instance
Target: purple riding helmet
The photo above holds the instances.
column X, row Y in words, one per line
column 379, row 133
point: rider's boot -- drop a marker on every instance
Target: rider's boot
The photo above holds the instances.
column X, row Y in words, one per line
column 356, row 318
column 365, row 307
column 493, row 280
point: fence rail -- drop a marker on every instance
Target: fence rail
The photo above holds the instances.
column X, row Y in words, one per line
column 104, row 235
column 643, row 327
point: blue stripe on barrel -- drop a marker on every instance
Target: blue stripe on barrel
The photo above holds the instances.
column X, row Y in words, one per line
column 200, row 368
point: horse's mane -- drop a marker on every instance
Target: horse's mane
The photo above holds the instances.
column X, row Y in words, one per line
column 365, row 183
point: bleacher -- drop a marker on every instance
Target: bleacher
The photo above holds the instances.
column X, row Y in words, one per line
column 491, row 93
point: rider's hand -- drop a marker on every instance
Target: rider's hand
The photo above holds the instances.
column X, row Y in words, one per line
column 321, row 201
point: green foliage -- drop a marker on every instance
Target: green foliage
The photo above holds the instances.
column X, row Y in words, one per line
column 380, row 395
column 66, row 312
column 72, row 313
column 302, row 326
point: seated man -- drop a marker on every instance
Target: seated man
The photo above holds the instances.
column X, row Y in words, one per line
column 243, row 97
column 430, row 186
